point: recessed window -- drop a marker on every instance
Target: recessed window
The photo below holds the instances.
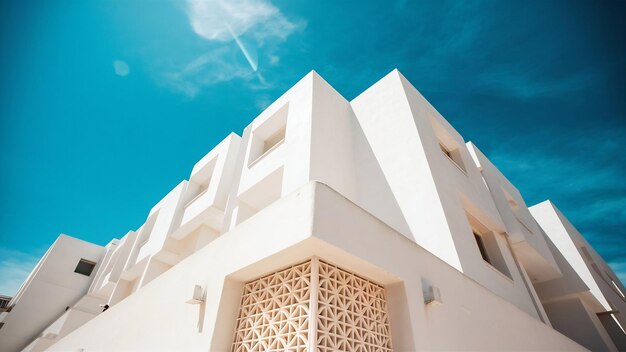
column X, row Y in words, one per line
column 203, row 187
column 4, row 301
column 481, row 247
column 586, row 253
column 445, row 151
column 201, row 177
column 595, row 268
column 449, row 145
column 453, row 155
column 199, row 191
column 85, row 267
column 273, row 140
column 487, row 243
column 268, row 136
column 491, row 252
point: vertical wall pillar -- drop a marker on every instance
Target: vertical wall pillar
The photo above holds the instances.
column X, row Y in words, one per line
column 314, row 296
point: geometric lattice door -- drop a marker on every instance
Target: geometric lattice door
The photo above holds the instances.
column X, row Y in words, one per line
column 312, row 306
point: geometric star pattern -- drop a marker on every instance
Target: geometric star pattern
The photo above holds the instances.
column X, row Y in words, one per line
column 351, row 314
column 275, row 312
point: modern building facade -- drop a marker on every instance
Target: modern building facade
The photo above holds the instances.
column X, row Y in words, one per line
column 335, row 225
column 57, row 287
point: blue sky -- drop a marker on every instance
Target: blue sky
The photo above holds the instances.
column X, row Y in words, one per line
column 106, row 105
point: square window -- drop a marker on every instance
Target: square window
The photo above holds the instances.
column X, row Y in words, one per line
column 85, row 267
column 487, row 242
column 268, row 136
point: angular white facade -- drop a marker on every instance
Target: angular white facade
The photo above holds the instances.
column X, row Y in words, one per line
column 368, row 225
column 57, row 287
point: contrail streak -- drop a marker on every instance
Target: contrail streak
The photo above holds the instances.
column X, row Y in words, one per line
column 251, row 61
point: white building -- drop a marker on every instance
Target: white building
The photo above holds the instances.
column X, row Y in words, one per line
column 56, row 287
column 331, row 225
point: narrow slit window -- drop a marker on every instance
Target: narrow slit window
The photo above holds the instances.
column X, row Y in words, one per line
column 454, row 155
column 85, row 267
column 586, row 253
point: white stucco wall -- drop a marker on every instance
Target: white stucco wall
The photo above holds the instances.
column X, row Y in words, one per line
column 52, row 286
column 586, row 262
column 433, row 194
column 310, row 223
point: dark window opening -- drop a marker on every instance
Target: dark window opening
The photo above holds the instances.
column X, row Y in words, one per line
column 85, row 267
column 445, row 151
column 481, row 247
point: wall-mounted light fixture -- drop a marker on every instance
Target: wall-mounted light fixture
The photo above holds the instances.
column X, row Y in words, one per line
column 197, row 296
column 432, row 296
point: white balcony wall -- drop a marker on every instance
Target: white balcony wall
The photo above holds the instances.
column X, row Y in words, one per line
column 525, row 235
column 209, row 187
column 604, row 285
column 555, row 229
column 105, row 266
column 292, row 111
column 112, row 267
column 168, row 214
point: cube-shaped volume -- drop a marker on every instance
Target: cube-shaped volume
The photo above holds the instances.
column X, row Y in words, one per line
column 209, row 184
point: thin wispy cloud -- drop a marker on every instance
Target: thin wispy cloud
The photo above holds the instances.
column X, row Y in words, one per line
column 253, row 27
column 121, row 68
column 222, row 20
column 211, row 68
column 14, row 269
column 451, row 53
column 262, row 101
column 518, row 82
